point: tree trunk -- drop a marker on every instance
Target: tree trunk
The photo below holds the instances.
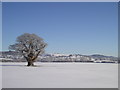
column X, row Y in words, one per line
column 30, row 63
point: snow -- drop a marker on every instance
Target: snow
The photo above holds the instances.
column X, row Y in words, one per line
column 60, row 75
column 5, row 59
column 58, row 54
column 0, row 77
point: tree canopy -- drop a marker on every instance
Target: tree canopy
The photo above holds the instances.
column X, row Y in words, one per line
column 30, row 46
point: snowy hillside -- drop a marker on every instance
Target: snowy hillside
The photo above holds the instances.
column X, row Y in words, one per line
column 11, row 56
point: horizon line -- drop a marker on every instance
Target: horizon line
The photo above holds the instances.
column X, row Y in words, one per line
column 70, row 53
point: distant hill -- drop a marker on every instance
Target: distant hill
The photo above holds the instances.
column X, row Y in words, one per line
column 14, row 56
column 103, row 57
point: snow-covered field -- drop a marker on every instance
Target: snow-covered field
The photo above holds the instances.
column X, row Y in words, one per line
column 60, row 75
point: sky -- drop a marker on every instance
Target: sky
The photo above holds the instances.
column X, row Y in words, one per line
column 67, row 27
column 0, row 26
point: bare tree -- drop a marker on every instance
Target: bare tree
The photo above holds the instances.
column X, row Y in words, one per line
column 30, row 46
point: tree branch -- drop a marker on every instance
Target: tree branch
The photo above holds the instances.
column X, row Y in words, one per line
column 36, row 55
column 25, row 48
